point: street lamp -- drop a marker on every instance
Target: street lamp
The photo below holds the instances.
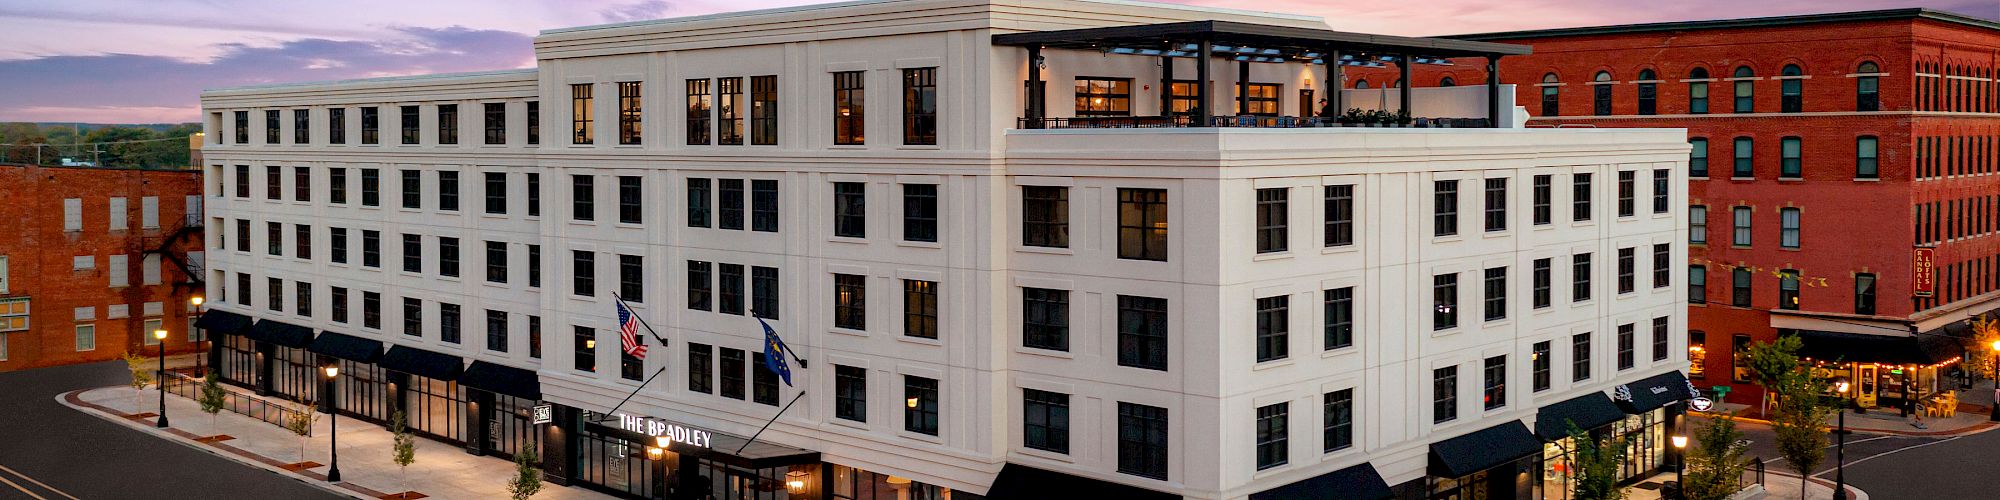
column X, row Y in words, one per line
column 333, row 412
column 1680, row 463
column 201, row 353
column 1840, row 450
column 1995, row 417
column 161, row 335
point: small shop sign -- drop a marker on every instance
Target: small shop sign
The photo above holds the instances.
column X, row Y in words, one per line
column 1700, row 404
column 544, row 413
column 660, row 428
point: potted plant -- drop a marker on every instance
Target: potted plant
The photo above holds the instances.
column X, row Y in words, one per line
column 1354, row 117
column 1401, row 118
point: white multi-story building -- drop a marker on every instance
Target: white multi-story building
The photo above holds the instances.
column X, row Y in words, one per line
column 993, row 294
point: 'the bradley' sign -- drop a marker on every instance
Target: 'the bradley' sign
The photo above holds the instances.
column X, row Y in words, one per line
column 1926, row 271
column 674, row 432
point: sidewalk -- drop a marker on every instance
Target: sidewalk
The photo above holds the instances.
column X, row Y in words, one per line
column 1775, row 487
column 1972, row 417
column 366, row 468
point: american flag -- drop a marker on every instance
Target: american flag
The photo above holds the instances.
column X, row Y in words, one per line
column 628, row 332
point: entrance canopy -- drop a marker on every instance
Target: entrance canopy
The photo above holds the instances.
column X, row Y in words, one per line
column 348, row 347
column 1482, row 449
column 1586, row 412
column 423, row 363
column 223, row 322
column 1886, row 349
column 1021, row 482
column 1651, row 393
column 502, row 379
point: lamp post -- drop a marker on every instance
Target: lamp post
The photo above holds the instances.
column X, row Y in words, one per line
column 1680, row 463
column 1995, row 417
column 161, row 335
column 1840, row 449
column 199, row 353
column 333, row 431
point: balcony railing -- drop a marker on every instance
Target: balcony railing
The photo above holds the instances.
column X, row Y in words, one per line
column 1243, row 121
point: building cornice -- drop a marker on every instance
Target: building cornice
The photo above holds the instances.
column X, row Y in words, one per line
column 1752, row 22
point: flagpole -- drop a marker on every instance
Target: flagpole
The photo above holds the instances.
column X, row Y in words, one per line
column 635, row 392
column 774, row 418
column 641, row 318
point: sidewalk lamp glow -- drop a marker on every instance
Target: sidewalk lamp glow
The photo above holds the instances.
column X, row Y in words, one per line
column 1680, row 442
column 1840, row 385
column 653, row 453
column 1680, row 459
column 196, row 300
column 161, row 336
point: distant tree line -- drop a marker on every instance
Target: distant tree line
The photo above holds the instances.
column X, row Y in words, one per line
column 148, row 146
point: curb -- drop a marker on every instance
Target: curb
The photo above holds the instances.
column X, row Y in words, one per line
column 72, row 400
column 1853, row 493
column 1967, row 431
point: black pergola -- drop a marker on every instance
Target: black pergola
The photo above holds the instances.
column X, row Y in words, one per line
column 1248, row 43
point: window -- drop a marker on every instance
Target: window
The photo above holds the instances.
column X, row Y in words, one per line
column 1337, row 408
column 242, row 233
column 1579, row 361
column 586, row 349
column 920, row 106
column 243, row 289
column 1745, row 155
column 850, row 210
column 338, row 235
column 1185, row 97
column 1698, row 157
column 1864, row 293
column 336, row 126
column 1260, row 99
column 1741, row 218
column 1444, row 294
column 276, row 289
column 764, row 205
column 1272, row 435
column 729, row 288
column 86, row 338
column 1660, row 339
column 1626, row 355
column 632, row 278
column 1541, row 361
column 1788, row 227
column 1273, row 328
column 371, row 310
column 302, row 292
column 242, row 122
column 1789, row 98
column 1788, row 289
column 583, row 273
column 447, row 125
column 410, row 125
column 1444, row 394
column 1788, row 159
column 698, row 202
column 1496, row 205
column 1543, row 282
column 699, row 286
column 764, row 110
column 1580, row 197
column 534, row 266
column 1142, row 332
column 763, row 381
column 448, row 191
column 1339, row 303
column 1698, row 91
column 1649, row 92
column 1580, row 277
column 338, row 297
column 1660, row 188
column 1045, row 216
column 301, row 184
column 1697, row 284
column 274, row 238
column 850, row 108
column 1445, row 199
column 496, row 192
column 274, row 183
column 413, row 253
column 1045, row 420
column 629, row 190
column 920, row 212
column 580, row 113
column 1739, row 358
column 496, row 122
column 242, row 191
column 1045, row 318
column 1627, row 269
column 1697, row 354
column 920, row 408
column 1866, row 164
column 1867, row 89
column 1271, row 231
column 1544, row 198
column 1494, row 392
column 534, row 123
column 496, row 261
column 630, row 113
column 1740, row 287
column 371, row 187
column 701, row 369
column 1600, row 93
column 920, row 309
column 1627, row 192
column 1551, row 95
column 731, row 364
column 448, row 256
column 850, row 306
column 850, row 388
column 1339, row 215
column 371, row 248
column 413, row 317
column 764, row 292
column 1142, row 440
column 412, row 188
column 698, row 111
column 448, row 322
column 1698, row 225
column 1745, row 102
column 1103, row 96
column 1661, row 255
column 1142, row 224
column 271, row 124
column 1496, row 294
column 583, row 197
column 371, row 125
column 302, row 241
column 496, row 330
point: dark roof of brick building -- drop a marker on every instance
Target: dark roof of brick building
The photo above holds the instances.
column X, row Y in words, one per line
column 1748, row 22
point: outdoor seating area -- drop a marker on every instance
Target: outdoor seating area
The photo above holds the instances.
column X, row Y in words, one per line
column 1245, row 121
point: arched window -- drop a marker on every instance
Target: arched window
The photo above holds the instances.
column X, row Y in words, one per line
column 1551, row 95
column 1790, row 98
column 1868, row 87
column 1447, row 82
column 1745, row 92
column 1649, row 92
column 1698, row 91
column 1600, row 93
column 1361, row 84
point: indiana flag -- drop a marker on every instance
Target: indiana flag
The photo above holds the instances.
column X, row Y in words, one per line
column 774, row 353
column 628, row 332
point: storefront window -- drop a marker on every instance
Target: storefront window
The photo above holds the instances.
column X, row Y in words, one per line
column 1644, row 436
column 239, row 360
column 618, row 465
column 364, row 391
column 854, row 484
column 511, row 428
column 1558, row 481
column 434, row 407
column 295, row 374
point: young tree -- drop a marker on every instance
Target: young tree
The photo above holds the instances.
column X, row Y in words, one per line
column 213, row 398
column 527, row 478
column 1771, row 361
column 142, row 375
column 301, row 423
column 1798, row 416
column 1597, row 466
column 405, row 445
column 1979, row 348
column 1715, row 463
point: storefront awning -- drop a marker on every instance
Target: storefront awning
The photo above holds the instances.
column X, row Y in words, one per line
column 1653, row 392
column 1359, row 482
column 1887, row 349
column 502, row 379
column 422, row 363
column 280, row 333
column 348, row 347
column 1586, row 412
column 222, row 322
column 1021, row 482
column 1483, row 449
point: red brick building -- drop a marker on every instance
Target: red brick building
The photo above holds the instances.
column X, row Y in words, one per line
column 93, row 260
column 1831, row 154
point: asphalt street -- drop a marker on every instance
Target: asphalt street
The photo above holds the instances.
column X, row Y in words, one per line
column 52, row 452
column 1893, row 467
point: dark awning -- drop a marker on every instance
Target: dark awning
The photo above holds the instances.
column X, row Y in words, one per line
column 280, row 333
column 1021, row 482
column 1886, row 349
column 422, row 363
column 1653, row 392
column 1359, row 482
column 1482, row 449
column 1586, row 412
column 222, row 322
column 1285, row 40
column 502, row 379
column 724, row 447
column 348, row 347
